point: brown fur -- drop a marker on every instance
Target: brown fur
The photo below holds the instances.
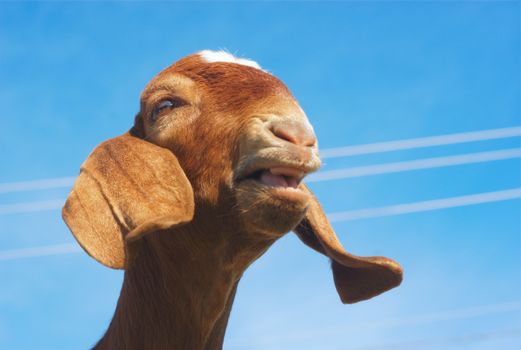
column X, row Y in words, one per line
column 171, row 203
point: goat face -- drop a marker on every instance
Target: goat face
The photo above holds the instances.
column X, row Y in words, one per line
column 238, row 133
column 216, row 142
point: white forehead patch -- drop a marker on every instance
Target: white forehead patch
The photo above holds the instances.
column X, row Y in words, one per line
column 223, row 56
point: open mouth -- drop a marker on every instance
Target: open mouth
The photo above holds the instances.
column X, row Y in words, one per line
column 278, row 177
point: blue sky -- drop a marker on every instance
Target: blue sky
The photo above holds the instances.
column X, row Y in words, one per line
column 365, row 72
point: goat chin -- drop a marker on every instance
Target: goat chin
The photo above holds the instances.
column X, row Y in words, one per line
column 270, row 210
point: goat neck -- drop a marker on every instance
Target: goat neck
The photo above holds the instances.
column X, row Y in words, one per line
column 179, row 290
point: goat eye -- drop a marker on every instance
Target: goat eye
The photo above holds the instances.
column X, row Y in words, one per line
column 166, row 105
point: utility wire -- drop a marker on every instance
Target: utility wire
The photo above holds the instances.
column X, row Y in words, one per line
column 444, row 341
column 422, row 142
column 437, row 204
column 56, row 249
column 379, row 147
column 362, row 171
column 34, row 185
column 26, row 207
column 444, row 203
column 419, row 164
column 374, row 326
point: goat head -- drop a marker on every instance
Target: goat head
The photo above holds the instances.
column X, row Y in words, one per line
column 220, row 141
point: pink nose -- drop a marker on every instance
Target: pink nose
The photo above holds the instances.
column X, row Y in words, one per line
column 295, row 133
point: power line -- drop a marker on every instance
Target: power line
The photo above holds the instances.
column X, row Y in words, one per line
column 57, row 249
column 404, row 321
column 33, row 185
column 399, row 209
column 380, row 147
column 27, row 207
column 441, row 316
column 362, row 171
column 444, row 341
column 422, row 142
column 444, row 203
column 428, row 163
column 437, row 204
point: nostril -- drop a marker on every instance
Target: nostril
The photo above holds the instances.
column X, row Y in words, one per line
column 311, row 141
column 295, row 134
column 284, row 134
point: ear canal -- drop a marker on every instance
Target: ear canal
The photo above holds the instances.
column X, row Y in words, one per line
column 356, row 278
column 126, row 188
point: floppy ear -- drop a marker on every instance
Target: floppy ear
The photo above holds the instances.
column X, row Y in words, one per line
column 356, row 278
column 126, row 188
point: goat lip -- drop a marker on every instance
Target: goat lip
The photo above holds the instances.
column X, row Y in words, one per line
column 278, row 162
column 282, row 188
column 278, row 179
column 276, row 176
column 254, row 168
column 295, row 173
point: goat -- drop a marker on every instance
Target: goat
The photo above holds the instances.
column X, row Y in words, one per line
column 207, row 179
